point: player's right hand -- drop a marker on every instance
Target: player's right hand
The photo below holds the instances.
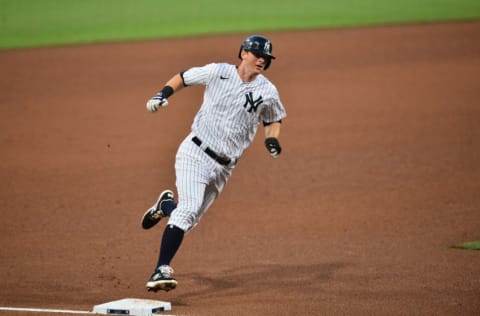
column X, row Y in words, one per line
column 156, row 102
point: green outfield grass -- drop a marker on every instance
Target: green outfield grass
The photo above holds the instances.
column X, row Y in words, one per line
column 472, row 245
column 26, row 23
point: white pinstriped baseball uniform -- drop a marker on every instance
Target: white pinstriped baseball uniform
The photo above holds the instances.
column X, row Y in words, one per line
column 226, row 123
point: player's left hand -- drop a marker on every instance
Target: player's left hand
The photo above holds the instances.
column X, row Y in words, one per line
column 273, row 146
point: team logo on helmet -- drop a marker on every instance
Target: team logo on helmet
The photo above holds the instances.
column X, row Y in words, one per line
column 266, row 47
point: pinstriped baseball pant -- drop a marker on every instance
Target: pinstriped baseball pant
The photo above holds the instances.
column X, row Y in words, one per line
column 199, row 181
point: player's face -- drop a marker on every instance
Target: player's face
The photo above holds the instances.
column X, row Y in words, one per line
column 255, row 62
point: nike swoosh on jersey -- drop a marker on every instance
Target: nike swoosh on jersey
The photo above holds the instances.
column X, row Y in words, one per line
column 223, row 78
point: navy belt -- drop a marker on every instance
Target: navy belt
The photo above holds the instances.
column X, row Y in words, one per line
column 221, row 160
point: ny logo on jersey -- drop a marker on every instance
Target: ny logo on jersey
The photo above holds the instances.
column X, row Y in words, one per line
column 253, row 103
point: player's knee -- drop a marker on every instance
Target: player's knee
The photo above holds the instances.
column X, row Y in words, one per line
column 187, row 214
column 183, row 223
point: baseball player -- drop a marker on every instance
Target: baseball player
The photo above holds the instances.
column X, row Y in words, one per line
column 236, row 100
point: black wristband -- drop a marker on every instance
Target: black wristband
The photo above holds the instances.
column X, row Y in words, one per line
column 167, row 91
column 272, row 142
column 270, row 123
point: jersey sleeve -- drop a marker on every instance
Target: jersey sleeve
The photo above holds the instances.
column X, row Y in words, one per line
column 198, row 75
column 275, row 111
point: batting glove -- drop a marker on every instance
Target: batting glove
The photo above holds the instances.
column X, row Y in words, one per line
column 273, row 146
column 158, row 101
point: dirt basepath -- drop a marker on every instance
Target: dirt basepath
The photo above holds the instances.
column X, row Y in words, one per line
column 380, row 174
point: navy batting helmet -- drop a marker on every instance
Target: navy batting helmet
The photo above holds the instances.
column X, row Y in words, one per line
column 260, row 45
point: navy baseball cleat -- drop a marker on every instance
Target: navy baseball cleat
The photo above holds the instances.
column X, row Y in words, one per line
column 154, row 214
column 162, row 279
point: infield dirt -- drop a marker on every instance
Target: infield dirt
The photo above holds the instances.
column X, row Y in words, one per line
column 380, row 174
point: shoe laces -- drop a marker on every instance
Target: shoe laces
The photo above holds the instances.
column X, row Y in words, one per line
column 156, row 214
column 165, row 271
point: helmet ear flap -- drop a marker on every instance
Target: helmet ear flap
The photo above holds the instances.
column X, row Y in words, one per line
column 267, row 63
column 240, row 52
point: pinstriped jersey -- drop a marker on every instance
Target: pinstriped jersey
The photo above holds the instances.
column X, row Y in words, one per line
column 232, row 109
